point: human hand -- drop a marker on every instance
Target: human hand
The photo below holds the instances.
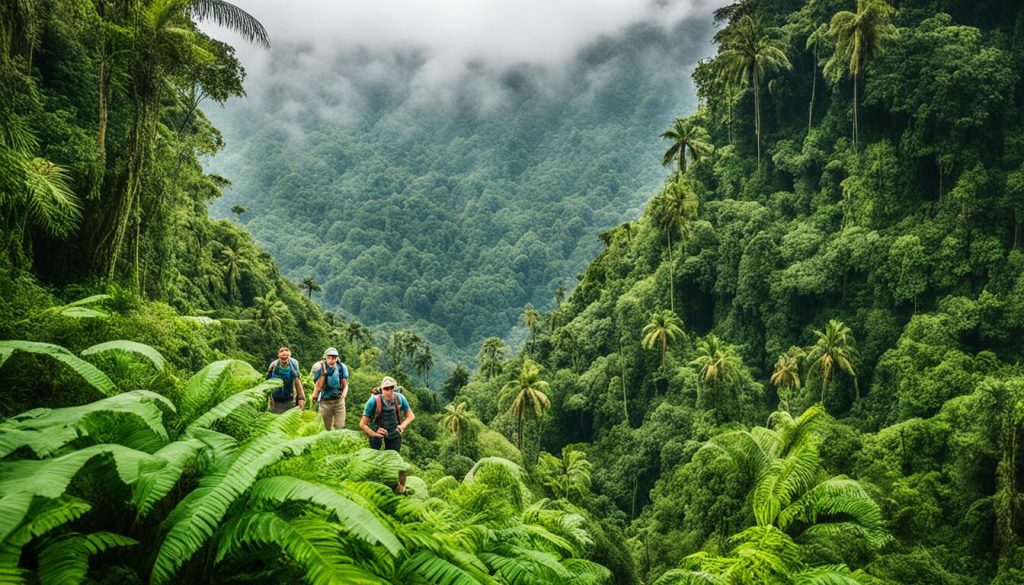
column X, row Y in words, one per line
column 382, row 432
column 302, row 404
column 401, row 429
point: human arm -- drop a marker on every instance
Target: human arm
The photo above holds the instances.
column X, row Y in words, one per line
column 409, row 416
column 364, row 423
column 298, row 388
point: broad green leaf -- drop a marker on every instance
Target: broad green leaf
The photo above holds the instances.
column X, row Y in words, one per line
column 124, row 345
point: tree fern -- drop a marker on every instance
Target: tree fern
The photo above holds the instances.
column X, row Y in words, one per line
column 784, row 479
column 123, row 345
column 90, row 373
column 65, row 559
column 45, row 430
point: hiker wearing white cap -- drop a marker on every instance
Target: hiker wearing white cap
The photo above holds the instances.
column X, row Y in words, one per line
column 385, row 419
column 330, row 387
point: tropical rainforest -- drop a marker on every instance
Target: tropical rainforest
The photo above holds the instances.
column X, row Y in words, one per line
column 797, row 362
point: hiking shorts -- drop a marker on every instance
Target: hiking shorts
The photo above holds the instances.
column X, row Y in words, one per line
column 281, row 406
column 333, row 413
column 389, row 444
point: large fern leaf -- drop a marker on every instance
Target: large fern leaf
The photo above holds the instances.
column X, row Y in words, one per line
column 253, row 397
column 157, row 478
column 313, row 545
column 66, row 559
column 428, row 566
column 123, row 345
column 46, row 515
column 354, row 518
column 210, row 386
column 45, row 430
column 784, row 479
column 194, row 519
column 90, row 373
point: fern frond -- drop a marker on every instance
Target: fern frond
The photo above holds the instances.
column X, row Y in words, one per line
column 194, row 519
column 210, row 386
column 49, row 478
column 90, row 373
column 843, row 499
column 688, row 577
column 157, row 479
column 784, row 479
column 253, row 397
column 354, row 518
column 313, row 545
column 123, row 345
column 44, row 517
column 428, row 567
column 66, row 559
column 45, row 430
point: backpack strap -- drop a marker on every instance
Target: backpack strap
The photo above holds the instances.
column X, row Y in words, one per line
column 379, row 400
column 321, row 382
column 273, row 365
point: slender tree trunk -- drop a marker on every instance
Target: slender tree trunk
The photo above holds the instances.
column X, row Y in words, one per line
column 672, row 274
column 855, row 126
column 622, row 377
column 682, row 159
column 814, row 86
column 757, row 120
column 101, row 133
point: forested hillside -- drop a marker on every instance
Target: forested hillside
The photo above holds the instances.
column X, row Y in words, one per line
column 802, row 362
column 444, row 206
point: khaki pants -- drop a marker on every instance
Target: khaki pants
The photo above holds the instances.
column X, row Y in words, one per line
column 333, row 413
column 282, row 406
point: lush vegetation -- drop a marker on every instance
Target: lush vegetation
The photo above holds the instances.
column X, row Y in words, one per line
column 838, row 253
column 443, row 207
column 799, row 364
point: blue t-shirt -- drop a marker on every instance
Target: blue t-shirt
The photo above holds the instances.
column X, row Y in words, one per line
column 287, row 374
column 332, row 385
column 371, row 406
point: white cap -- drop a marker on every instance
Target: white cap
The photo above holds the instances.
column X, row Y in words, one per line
column 331, row 351
column 388, row 381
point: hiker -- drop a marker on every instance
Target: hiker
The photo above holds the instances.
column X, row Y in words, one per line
column 330, row 387
column 381, row 423
column 286, row 369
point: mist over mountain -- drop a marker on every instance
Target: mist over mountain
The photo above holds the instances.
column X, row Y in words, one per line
column 444, row 199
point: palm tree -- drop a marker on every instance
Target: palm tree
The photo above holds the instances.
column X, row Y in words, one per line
column 423, row 362
column 238, row 210
column 834, row 348
column 358, row 334
column 529, row 399
column 492, row 352
column 456, row 381
column 664, row 327
column 859, row 38
column 750, row 52
column 786, row 376
column 269, row 311
column 814, row 41
column 685, row 135
column 232, row 263
column 673, row 209
column 568, row 476
column 457, row 420
column 311, row 286
column 531, row 318
column 718, row 364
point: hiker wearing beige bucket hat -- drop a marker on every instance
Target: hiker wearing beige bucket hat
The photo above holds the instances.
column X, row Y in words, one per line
column 385, row 418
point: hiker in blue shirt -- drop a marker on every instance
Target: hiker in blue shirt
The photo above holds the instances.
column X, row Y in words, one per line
column 330, row 387
column 385, row 418
column 286, row 369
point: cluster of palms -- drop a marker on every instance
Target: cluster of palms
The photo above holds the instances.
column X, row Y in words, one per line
column 751, row 51
column 201, row 486
column 407, row 346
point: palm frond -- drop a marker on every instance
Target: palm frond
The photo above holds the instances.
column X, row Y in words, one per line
column 124, row 345
column 232, row 17
column 92, row 375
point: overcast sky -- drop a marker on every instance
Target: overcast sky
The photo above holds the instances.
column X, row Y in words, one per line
column 453, row 32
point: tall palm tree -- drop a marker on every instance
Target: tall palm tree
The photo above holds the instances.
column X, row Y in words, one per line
column 786, row 376
column 269, row 312
column 492, row 352
column 664, row 327
column 750, row 52
column 423, row 361
column 834, row 349
column 859, row 37
column 457, row 420
column 529, row 399
column 814, row 42
column 673, row 209
column 311, row 286
column 718, row 364
column 686, row 135
column 531, row 318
